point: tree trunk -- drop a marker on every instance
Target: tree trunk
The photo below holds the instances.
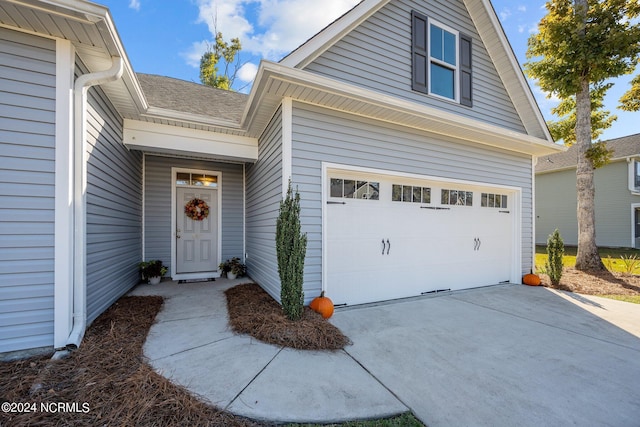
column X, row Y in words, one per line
column 588, row 257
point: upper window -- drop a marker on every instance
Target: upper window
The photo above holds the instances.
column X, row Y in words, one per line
column 196, row 179
column 408, row 193
column 488, row 200
column 636, row 177
column 456, row 197
column 441, row 60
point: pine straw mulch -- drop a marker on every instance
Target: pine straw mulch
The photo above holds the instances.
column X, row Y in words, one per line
column 252, row 311
column 596, row 283
column 107, row 372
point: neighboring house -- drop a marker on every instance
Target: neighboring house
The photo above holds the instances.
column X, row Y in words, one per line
column 406, row 126
column 617, row 200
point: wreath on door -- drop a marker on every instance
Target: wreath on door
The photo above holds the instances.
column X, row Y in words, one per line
column 196, row 209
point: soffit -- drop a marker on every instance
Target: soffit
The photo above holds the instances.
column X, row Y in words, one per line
column 275, row 82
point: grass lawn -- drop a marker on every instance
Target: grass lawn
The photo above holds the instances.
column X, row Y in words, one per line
column 404, row 420
column 627, row 298
column 615, row 259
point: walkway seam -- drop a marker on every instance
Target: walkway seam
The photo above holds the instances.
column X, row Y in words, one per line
column 191, row 348
column 379, row 382
column 551, row 325
column 226, row 408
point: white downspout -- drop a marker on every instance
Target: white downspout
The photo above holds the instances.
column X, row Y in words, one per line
column 81, row 87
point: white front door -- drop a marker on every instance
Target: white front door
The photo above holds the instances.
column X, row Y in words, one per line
column 410, row 236
column 196, row 240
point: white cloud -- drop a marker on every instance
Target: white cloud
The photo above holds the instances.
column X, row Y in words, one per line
column 134, row 4
column 247, row 72
column 271, row 28
column 504, row 14
column 195, row 52
column 522, row 8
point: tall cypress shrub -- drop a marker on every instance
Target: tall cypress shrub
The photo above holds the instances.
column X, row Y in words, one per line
column 291, row 249
column 555, row 252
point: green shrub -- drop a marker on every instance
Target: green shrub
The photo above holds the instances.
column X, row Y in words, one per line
column 291, row 249
column 555, row 252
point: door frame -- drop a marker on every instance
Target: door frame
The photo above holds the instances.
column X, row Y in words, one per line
column 516, row 252
column 199, row 275
column 634, row 206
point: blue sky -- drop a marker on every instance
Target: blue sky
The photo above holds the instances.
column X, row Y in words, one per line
column 168, row 37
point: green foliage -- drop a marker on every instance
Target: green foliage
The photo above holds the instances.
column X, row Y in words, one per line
column 291, row 249
column 630, row 101
column 599, row 154
column 573, row 44
column 631, row 263
column 565, row 128
column 220, row 53
column 555, row 252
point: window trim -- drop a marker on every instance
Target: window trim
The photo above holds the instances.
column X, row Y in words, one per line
column 421, row 60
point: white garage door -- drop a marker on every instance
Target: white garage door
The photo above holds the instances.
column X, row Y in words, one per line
column 392, row 237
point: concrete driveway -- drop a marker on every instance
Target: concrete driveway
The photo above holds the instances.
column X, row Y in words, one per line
column 504, row 356
column 508, row 355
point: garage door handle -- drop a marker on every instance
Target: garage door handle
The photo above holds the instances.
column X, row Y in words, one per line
column 503, row 211
column 388, row 246
column 383, row 246
column 336, row 203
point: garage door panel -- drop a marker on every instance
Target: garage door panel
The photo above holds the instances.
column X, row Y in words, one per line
column 402, row 244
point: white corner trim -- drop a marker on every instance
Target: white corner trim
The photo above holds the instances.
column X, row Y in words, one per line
column 534, row 162
column 287, row 143
column 144, row 202
column 63, row 246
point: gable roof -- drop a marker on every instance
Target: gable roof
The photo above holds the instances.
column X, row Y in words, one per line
column 193, row 98
column 623, row 147
column 490, row 31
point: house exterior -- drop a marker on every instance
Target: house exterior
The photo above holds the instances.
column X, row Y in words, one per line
column 406, row 126
column 617, row 200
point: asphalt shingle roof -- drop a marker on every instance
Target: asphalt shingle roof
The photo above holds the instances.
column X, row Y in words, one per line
column 625, row 146
column 189, row 97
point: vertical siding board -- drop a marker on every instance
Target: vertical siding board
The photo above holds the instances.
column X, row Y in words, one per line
column 321, row 135
column 378, row 55
column 27, row 144
column 264, row 193
column 114, row 206
column 157, row 220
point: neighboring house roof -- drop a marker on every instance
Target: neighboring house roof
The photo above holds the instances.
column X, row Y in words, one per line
column 187, row 97
column 626, row 146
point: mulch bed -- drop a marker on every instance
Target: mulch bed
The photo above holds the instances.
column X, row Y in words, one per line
column 596, row 283
column 109, row 374
column 252, row 311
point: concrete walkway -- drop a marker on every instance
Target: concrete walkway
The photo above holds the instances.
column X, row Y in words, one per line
column 504, row 355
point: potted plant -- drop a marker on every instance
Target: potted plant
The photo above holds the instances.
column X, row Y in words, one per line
column 233, row 268
column 153, row 271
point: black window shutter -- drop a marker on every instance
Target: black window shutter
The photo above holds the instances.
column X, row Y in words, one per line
column 419, row 52
column 466, row 91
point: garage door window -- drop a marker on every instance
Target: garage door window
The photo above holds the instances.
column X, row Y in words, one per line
column 488, row 200
column 354, row 189
column 410, row 194
column 456, row 197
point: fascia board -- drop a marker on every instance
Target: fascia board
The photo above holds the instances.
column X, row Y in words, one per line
column 506, row 50
column 484, row 133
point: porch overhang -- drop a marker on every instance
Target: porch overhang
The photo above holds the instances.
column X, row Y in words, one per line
column 180, row 141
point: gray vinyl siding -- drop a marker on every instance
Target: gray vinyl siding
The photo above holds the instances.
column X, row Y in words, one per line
column 264, row 193
column 114, row 207
column 325, row 135
column 27, row 193
column 377, row 55
column 157, row 195
column 556, row 206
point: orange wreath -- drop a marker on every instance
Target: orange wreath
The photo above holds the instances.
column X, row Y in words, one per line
column 196, row 209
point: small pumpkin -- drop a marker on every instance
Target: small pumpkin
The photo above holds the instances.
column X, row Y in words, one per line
column 322, row 305
column 531, row 279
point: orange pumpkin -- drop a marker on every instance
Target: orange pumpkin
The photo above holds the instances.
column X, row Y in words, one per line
column 531, row 279
column 322, row 305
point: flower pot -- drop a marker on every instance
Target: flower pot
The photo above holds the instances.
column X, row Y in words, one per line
column 231, row 275
column 155, row 280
